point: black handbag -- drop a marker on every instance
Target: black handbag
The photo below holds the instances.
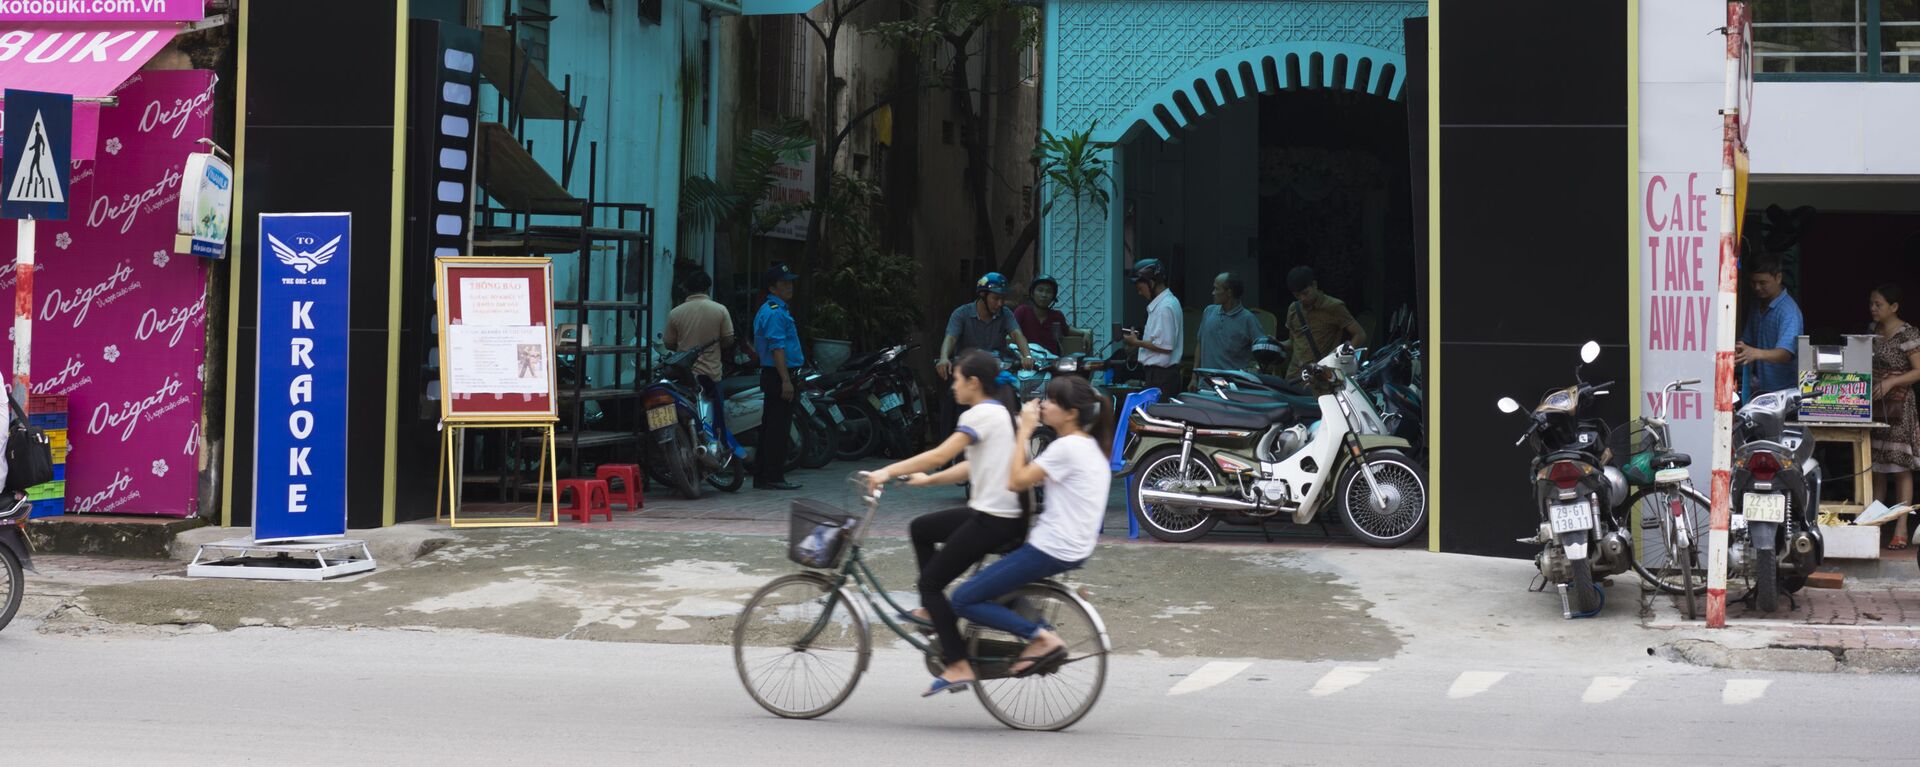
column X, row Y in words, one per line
column 29, row 452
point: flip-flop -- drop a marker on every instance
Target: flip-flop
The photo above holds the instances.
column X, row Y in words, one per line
column 1899, row 543
column 940, row 685
column 1035, row 663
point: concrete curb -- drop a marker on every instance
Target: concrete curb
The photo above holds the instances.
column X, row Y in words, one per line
column 1701, row 652
column 391, row 546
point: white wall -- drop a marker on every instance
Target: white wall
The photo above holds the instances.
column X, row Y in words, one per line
column 1836, row 128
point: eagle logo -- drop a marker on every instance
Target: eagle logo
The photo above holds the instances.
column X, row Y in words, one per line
column 303, row 261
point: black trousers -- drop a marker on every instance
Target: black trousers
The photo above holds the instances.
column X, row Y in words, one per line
column 966, row 537
column 776, row 421
column 1166, row 379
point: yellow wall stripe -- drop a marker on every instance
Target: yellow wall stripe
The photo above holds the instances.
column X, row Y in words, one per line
column 233, row 269
column 1433, row 275
column 389, row 474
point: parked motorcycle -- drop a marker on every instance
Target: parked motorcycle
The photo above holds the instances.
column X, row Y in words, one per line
column 816, row 418
column 15, row 556
column 881, row 400
column 1192, row 465
column 1578, row 495
column 1775, row 540
column 688, row 439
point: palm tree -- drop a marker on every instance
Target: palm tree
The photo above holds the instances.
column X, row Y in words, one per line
column 1072, row 168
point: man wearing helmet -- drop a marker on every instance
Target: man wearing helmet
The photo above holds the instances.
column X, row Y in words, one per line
column 1160, row 346
column 1039, row 321
column 985, row 324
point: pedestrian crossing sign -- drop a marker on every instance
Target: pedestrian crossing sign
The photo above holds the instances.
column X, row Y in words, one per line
column 37, row 136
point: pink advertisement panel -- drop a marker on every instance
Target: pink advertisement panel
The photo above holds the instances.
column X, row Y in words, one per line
column 102, row 10
column 120, row 319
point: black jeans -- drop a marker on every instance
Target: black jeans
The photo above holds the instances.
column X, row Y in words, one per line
column 770, row 459
column 966, row 537
column 1166, row 379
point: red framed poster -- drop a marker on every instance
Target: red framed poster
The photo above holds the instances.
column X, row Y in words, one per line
column 496, row 339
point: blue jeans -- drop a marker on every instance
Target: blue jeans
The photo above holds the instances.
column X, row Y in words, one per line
column 974, row 600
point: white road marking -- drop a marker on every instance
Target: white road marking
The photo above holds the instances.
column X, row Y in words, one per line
column 1740, row 692
column 1207, row 676
column 1471, row 683
column 1606, row 688
column 1340, row 679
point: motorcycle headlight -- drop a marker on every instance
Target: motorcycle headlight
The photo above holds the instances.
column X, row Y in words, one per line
column 1067, row 365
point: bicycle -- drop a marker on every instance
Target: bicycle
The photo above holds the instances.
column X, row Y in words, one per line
column 1666, row 501
column 803, row 640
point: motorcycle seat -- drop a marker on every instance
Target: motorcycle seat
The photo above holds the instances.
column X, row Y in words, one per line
column 1223, row 417
column 737, row 384
column 1673, row 460
column 1207, row 399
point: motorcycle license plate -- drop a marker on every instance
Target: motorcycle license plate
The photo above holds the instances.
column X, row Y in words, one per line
column 834, row 410
column 1571, row 517
column 1765, row 507
column 891, row 402
column 662, row 417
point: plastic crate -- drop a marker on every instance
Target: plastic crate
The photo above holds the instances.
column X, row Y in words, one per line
column 59, row 472
column 46, row 403
column 48, row 421
column 58, row 439
column 52, row 507
column 47, row 490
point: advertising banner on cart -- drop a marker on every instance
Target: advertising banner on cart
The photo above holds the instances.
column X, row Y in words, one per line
column 119, row 319
column 300, row 428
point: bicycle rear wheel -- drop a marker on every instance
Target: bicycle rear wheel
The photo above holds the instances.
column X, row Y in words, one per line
column 1671, row 525
column 800, row 647
column 1054, row 696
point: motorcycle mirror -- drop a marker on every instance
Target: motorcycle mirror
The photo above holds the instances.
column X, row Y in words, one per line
column 1507, row 405
column 1590, row 352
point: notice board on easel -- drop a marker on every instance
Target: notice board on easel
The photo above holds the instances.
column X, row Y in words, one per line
column 496, row 339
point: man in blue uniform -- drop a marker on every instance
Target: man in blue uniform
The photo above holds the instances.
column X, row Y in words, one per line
column 778, row 342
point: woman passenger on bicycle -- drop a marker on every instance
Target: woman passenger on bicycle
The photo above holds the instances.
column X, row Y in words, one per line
column 1078, row 477
column 992, row 518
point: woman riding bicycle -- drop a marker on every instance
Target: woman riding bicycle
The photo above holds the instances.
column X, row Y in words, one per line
column 993, row 517
column 1077, row 475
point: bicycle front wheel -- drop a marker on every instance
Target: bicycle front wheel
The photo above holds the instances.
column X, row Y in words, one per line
column 1672, row 521
column 800, row 646
column 1053, row 696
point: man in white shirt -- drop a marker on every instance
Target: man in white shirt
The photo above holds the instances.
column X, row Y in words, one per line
column 1159, row 345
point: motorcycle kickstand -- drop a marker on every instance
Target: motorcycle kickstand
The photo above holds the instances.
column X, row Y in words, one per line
column 1325, row 531
column 1264, row 532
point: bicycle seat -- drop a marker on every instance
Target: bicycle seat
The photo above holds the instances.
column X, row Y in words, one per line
column 737, row 384
column 1223, row 417
column 1673, row 460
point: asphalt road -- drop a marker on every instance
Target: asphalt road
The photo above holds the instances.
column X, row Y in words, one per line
column 281, row 696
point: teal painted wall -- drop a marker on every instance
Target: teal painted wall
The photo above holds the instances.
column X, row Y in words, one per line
column 645, row 90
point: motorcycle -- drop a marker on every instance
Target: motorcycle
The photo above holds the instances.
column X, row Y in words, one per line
column 817, row 419
column 1774, row 541
column 880, row 402
column 15, row 556
column 1578, row 495
column 1190, row 466
column 1046, row 367
column 688, row 439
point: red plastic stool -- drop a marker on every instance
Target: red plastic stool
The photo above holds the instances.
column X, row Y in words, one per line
column 629, row 476
column 590, row 497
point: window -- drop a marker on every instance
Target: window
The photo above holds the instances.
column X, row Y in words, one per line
column 650, row 11
column 534, row 33
column 786, row 66
column 1030, row 65
column 1836, row 39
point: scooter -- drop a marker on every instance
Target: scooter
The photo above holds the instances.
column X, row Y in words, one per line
column 817, row 419
column 1190, row 466
column 1775, row 540
column 880, row 402
column 15, row 555
column 688, row 440
column 1579, row 496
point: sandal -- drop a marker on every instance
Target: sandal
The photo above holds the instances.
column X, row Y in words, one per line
column 1899, row 543
column 1035, row 663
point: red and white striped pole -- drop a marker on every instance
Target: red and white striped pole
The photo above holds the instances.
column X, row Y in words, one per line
column 23, row 310
column 1722, row 516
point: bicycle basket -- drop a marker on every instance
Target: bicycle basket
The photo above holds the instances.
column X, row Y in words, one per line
column 818, row 534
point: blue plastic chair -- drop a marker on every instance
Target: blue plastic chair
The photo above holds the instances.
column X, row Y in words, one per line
column 1138, row 399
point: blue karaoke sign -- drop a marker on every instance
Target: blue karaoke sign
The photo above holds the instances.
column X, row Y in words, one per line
column 300, row 403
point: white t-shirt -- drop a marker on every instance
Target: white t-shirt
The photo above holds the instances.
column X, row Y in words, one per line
column 991, row 432
column 1078, row 480
column 1163, row 330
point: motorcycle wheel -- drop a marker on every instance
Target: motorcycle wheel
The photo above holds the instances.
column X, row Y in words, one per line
column 1403, row 481
column 731, row 475
column 816, row 447
column 1766, row 581
column 863, row 433
column 1582, row 596
column 1042, row 437
column 1164, row 522
column 686, row 465
column 15, row 586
